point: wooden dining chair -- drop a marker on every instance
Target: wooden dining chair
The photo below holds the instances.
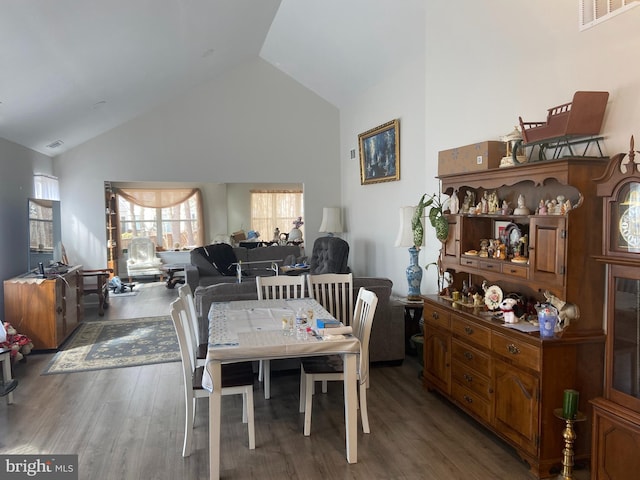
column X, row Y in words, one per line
column 193, row 332
column 279, row 286
column 334, row 291
column 237, row 378
column 330, row 367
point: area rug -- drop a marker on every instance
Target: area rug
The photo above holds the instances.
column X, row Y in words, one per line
column 117, row 343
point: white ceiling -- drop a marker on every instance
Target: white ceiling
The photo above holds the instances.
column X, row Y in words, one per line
column 73, row 69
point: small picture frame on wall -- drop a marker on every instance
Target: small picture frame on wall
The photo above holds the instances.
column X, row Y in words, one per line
column 380, row 153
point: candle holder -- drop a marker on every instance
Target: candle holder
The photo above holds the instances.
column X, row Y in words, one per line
column 569, row 436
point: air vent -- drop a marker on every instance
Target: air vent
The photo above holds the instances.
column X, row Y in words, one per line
column 56, row 144
column 593, row 12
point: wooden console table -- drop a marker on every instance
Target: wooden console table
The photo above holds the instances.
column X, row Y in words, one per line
column 47, row 310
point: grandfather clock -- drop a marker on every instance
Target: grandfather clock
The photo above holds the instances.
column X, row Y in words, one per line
column 616, row 416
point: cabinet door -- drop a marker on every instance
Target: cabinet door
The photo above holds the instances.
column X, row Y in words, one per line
column 437, row 358
column 516, row 405
column 547, row 249
column 451, row 248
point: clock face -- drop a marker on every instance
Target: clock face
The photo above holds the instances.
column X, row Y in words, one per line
column 629, row 227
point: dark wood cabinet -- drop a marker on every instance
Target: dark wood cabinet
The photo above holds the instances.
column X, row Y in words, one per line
column 511, row 381
column 616, row 415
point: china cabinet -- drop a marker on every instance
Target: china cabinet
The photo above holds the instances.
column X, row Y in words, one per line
column 616, row 415
column 506, row 376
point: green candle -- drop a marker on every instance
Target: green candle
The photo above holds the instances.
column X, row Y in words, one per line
column 570, row 403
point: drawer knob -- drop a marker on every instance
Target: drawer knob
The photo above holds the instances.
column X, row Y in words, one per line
column 512, row 349
column 468, row 330
column 435, row 315
column 468, row 399
column 468, row 378
column 468, row 355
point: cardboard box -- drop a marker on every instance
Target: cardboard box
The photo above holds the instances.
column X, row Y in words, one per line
column 471, row 158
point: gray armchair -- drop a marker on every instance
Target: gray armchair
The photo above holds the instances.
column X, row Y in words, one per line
column 329, row 255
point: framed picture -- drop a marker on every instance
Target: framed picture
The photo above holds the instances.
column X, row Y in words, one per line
column 380, row 153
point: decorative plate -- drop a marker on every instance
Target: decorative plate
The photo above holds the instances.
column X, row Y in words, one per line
column 473, row 253
column 493, row 297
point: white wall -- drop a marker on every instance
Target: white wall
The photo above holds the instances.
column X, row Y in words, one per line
column 372, row 211
column 17, row 166
column 504, row 59
column 254, row 124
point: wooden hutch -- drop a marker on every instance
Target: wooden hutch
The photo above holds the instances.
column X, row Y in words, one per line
column 507, row 379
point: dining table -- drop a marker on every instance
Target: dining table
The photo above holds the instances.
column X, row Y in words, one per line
column 249, row 330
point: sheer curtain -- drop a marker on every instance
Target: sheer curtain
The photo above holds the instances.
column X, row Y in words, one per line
column 271, row 209
column 45, row 187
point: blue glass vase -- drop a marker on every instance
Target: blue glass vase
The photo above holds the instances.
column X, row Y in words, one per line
column 414, row 275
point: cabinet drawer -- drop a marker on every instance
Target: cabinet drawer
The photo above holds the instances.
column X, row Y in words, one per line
column 436, row 316
column 516, row 351
column 471, row 379
column 473, row 358
column 490, row 266
column 471, row 332
column 469, row 262
column 515, row 270
column 471, row 401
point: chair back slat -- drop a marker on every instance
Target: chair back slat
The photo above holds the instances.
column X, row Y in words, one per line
column 280, row 286
column 179, row 317
column 185, row 293
column 334, row 291
column 365, row 310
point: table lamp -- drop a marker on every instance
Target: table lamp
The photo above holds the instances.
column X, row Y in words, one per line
column 405, row 239
column 331, row 221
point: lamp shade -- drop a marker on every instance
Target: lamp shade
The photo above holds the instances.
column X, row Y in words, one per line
column 405, row 234
column 331, row 220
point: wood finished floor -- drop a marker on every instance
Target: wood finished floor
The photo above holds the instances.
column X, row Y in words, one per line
column 128, row 424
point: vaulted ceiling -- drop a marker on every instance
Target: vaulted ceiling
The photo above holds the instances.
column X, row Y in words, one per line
column 73, row 69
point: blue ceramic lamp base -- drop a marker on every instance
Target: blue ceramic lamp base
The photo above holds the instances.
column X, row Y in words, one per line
column 414, row 275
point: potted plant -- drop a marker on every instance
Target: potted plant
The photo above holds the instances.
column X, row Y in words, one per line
column 436, row 217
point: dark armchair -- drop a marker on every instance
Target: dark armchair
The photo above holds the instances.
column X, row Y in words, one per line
column 330, row 255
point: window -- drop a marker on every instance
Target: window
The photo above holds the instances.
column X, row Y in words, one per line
column 45, row 187
column 40, row 226
column 593, row 12
column 271, row 209
column 171, row 218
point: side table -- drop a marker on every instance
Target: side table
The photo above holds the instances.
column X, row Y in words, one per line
column 412, row 317
column 172, row 269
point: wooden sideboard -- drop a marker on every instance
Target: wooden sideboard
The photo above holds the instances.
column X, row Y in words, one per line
column 47, row 310
column 509, row 380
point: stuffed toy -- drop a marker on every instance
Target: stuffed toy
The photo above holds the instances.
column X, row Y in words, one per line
column 19, row 344
column 507, row 306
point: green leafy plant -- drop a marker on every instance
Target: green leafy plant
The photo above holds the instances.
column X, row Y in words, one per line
column 436, row 216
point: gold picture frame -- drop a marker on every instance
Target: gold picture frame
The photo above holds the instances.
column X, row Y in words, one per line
column 380, row 153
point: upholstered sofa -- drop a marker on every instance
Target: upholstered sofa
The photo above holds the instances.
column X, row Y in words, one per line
column 387, row 342
column 203, row 270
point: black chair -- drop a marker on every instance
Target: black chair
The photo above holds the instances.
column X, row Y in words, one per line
column 329, row 255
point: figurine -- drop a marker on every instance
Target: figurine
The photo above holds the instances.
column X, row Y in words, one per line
column 494, row 203
column 454, row 202
column 483, row 206
column 522, row 208
column 469, row 201
column 505, row 208
column 542, row 208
